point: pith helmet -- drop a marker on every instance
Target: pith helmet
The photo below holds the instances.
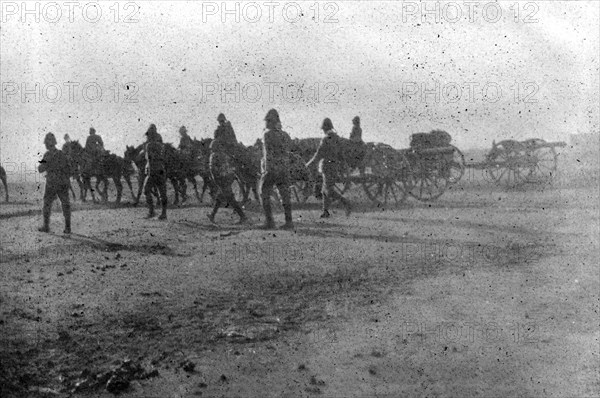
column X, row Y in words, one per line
column 327, row 124
column 272, row 116
column 50, row 139
column 221, row 117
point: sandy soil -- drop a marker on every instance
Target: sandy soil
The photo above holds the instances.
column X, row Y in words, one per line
column 485, row 292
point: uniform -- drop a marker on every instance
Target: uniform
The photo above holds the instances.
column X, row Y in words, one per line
column 94, row 143
column 330, row 158
column 156, row 172
column 275, row 167
column 56, row 166
column 356, row 134
column 222, row 170
column 185, row 143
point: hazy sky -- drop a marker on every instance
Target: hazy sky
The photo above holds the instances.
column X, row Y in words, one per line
column 536, row 61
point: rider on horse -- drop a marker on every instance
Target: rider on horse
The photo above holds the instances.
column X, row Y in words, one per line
column 94, row 146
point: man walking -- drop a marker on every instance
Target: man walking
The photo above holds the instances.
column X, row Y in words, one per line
column 222, row 168
column 275, row 167
column 156, row 173
column 56, row 166
column 330, row 157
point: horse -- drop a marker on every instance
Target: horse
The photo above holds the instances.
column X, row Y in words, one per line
column 3, row 178
column 74, row 171
column 109, row 165
column 201, row 155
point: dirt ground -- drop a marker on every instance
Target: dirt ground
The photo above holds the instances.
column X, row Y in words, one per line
column 486, row 292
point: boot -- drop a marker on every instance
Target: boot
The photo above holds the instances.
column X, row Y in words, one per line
column 46, row 216
column 269, row 222
column 163, row 214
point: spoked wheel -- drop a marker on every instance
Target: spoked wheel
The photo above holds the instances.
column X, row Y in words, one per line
column 430, row 181
column 542, row 165
column 391, row 177
column 456, row 168
column 509, row 169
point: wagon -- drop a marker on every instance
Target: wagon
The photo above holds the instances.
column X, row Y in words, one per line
column 513, row 163
column 389, row 176
column 382, row 172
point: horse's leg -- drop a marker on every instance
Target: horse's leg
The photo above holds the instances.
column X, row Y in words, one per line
column 72, row 190
column 78, row 179
column 128, row 181
column 205, row 185
column 105, row 191
column 119, row 186
column 183, row 187
column 195, row 185
column 141, row 179
column 4, row 182
column 98, row 181
column 176, row 189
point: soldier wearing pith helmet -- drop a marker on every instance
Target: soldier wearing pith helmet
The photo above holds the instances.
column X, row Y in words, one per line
column 275, row 167
column 56, row 166
column 330, row 158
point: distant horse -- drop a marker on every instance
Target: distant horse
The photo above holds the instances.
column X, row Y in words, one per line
column 74, row 171
column 107, row 166
column 3, row 178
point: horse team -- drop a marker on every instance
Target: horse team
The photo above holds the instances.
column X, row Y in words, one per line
column 275, row 161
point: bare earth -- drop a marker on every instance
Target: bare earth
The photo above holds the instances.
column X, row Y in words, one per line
column 484, row 293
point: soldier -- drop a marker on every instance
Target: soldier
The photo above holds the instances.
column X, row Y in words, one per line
column 94, row 142
column 156, row 174
column 56, row 165
column 224, row 131
column 356, row 149
column 329, row 156
column 275, row 167
column 185, row 142
column 356, row 134
column 222, row 169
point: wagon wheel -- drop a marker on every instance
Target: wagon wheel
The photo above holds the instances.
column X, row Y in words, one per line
column 429, row 179
column 509, row 168
column 456, row 168
column 542, row 164
column 392, row 183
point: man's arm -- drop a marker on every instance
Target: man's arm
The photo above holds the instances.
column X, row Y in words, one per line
column 43, row 163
